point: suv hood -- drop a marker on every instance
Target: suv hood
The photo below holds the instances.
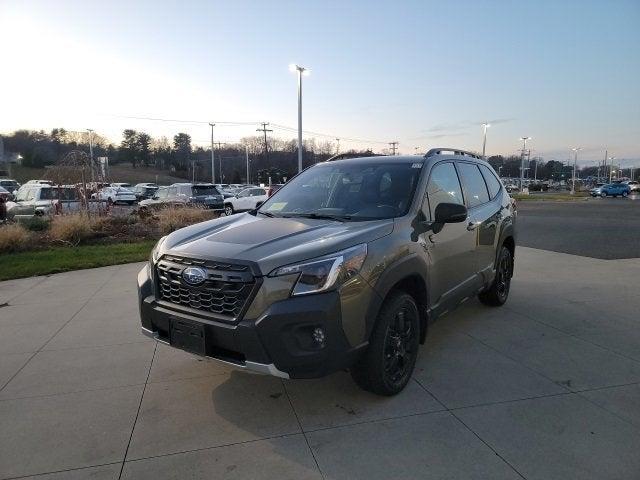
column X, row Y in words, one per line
column 271, row 242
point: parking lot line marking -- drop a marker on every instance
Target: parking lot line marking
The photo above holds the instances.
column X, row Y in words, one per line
column 135, row 420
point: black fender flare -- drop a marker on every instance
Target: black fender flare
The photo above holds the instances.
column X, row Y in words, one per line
column 507, row 231
column 408, row 267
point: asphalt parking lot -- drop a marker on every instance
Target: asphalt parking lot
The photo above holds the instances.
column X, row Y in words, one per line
column 547, row 387
column 607, row 228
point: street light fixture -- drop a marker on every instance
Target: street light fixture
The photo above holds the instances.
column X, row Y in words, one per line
column 484, row 138
column 301, row 71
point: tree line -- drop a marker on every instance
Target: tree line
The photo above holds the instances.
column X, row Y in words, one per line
column 277, row 158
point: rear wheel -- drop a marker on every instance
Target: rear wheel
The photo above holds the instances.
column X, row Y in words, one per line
column 498, row 292
column 387, row 365
column 603, row 194
column 228, row 209
column 624, row 194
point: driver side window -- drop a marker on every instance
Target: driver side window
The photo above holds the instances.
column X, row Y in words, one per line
column 443, row 187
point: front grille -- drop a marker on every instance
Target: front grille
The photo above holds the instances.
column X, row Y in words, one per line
column 225, row 293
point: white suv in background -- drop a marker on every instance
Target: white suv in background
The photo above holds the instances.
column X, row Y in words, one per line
column 247, row 199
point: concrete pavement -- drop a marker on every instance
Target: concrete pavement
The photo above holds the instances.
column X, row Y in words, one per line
column 547, row 387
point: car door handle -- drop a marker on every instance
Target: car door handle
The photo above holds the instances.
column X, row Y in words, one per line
column 472, row 225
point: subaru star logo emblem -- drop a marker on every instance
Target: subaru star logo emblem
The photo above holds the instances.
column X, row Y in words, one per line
column 194, row 275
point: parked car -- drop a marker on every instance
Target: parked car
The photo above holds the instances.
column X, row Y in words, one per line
column 143, row 191
column 341, row 269
column 634, row 186
column 5, row 195
column 122, row 185
column 9, row 184
column 115, row 195
column 203, row 194
column 41, row 199
column 39, row 182
column 247, row 199
column 614, row 189
column 596, row 190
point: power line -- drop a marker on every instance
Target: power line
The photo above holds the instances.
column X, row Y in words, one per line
column 232, row 123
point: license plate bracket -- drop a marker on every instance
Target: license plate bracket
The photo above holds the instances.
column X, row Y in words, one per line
column 187, row 336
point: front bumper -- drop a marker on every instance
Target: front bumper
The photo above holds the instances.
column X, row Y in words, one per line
column 278, row 341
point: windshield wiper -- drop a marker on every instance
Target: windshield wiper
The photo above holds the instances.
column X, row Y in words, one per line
column 320, row 216
column 266, row 214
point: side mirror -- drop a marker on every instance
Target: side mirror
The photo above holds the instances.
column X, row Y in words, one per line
column 259, row 204
column 450, row 213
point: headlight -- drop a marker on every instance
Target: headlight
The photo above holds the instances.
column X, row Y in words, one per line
column 324, row 273
column 155, row 253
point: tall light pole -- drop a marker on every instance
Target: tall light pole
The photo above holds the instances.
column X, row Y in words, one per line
column 301, row 71
column 91, row 150
column 213, row 156
column 575, row 163
column 337, row 146
column 524, row 149
column 611, row 171
column 484, row 138
column 246, row 152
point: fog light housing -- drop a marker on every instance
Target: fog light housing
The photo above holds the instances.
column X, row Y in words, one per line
column 318, row 336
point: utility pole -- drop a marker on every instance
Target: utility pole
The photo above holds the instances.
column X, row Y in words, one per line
column 91, row 151
column 264, row 130
column 524, row 149
column 213, row 157
column 193, row 171
column 337, row 146
column 394, row 146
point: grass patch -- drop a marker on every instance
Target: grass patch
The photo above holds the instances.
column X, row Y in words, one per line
column 552, row 197
column 63, row 259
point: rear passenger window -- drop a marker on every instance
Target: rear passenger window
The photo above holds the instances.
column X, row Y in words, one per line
column 443, row 187
column 475, row 190
column 493, row 184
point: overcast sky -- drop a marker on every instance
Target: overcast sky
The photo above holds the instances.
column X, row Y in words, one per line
column 566, row 73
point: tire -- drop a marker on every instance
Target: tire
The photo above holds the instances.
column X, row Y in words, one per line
column 110, row 201
column 603, row 194
column 625, row 194
column 496, row 295
column 386, row 366
column 228, row 209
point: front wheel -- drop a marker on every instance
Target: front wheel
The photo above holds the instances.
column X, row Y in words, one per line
column 497, row 294
column 228, row 209
column 603, row 194
column 386, row 366
column 624, row 194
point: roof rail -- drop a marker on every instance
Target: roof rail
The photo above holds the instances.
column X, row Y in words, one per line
column 345, row 155
column 454, row 151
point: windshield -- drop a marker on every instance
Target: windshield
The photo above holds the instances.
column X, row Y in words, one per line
column 349, row 191
column 205, row 190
